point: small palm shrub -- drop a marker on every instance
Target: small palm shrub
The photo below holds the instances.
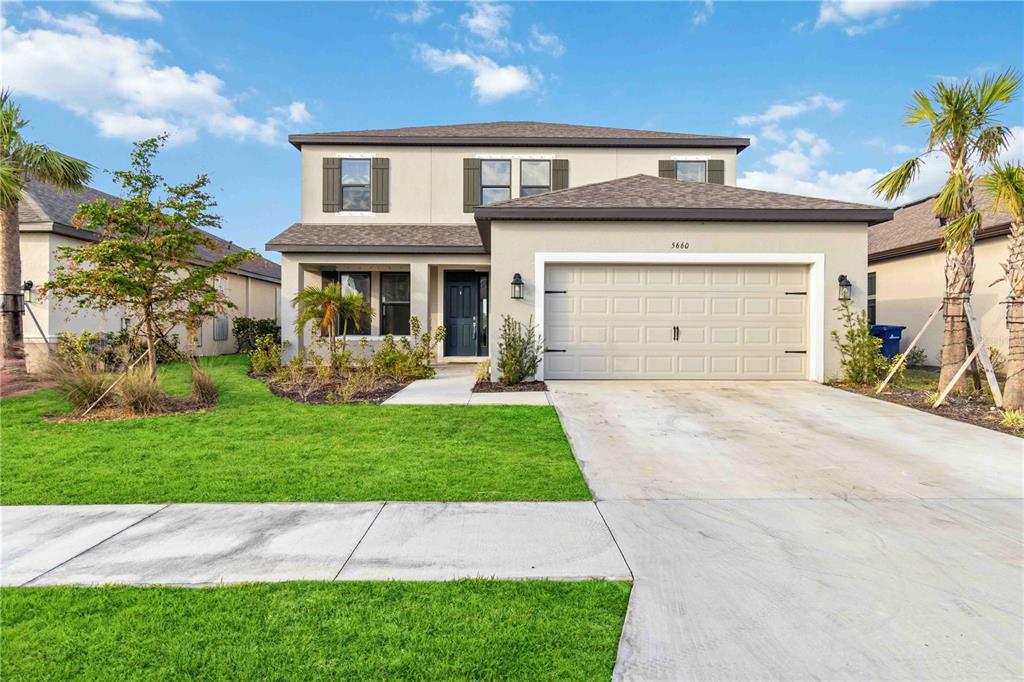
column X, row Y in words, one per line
column 266, row 356
column 138, row 393
column 860, row 353
column 519, row 351
column 204, row 390
column 1014, row 420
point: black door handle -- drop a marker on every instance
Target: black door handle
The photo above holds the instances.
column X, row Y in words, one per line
column 675, row 333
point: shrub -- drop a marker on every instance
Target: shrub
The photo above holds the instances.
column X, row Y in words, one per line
column 204, row 391
column 519, row 351
column 917, row 357
column 80, row 383
column 998, row 361
column 249, row 330
column 483, row 371
column 409, row 357
column 266, row 356
column 1014, row 420
column 138, row 393
column 860, row 352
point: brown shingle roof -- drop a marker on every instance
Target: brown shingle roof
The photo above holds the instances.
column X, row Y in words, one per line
column 378, row 238
column 915, row 229
column 44, row 204
column 519, row 133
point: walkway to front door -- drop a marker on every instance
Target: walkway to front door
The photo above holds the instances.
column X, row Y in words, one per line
column 465, row 313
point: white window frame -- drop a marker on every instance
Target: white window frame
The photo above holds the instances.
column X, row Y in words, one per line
column 355, row 214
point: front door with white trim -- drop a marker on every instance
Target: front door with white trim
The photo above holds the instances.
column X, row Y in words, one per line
column 639, row 321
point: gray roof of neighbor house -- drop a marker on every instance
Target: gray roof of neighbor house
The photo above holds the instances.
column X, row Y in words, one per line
column 915, row 229
column 44, row 208
column 377, row 238
column 520, row 134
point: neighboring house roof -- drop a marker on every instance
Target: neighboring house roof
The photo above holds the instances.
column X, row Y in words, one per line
column 521, row 134
column 377, row 238
column 915, row 229
column 44, row 208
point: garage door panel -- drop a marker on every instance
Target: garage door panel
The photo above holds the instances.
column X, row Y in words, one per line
column 733, row 322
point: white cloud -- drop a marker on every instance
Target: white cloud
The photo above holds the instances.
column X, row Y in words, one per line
column 491, row 82
column 778, row 112
column 128, row 9
column 545, row 42
column 420, row 12
column 1014, row 152
column 297, row 112
column 488, row 20
column 856, row 17
column 116, row 82
column 701, row 15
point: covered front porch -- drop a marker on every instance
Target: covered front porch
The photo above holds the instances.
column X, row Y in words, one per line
column 452, row 290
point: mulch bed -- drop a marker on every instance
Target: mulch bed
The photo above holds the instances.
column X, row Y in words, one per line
column 172, row 405
column 330, row 394
column 495, row 387
column 970, row 409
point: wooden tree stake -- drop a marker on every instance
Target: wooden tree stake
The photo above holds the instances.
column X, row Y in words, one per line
column 986, row 360
column 903, row 356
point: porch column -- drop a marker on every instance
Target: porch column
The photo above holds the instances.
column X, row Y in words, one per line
column 419, row 293
column 292, row 282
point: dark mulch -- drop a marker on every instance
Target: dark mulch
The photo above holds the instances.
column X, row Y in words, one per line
column 970, row 409
column 495, row 387
column 170, row 405
column 330, row 393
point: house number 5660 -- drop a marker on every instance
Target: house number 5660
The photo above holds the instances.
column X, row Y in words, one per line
column 680, row 245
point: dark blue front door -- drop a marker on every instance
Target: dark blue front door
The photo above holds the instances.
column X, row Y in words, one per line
column 462, row 318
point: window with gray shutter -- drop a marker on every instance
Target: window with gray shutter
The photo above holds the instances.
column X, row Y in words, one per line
column 716, row 171
column 220, row 329
column 470, row 185
column 332, row 185
column 667, row 169
column 380, row 185
column 559, row 174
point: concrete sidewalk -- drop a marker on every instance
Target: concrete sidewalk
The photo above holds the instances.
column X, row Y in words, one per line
column 453, row 385
column 208, row 544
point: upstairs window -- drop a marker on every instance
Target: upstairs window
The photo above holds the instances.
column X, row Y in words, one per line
column 692, row 171
column 534, row 178
column 355, row 184
column 495, row 181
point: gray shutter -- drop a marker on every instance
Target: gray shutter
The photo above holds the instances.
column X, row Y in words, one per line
column 470, row 185
column 716, row 171
column 559, row 173
column 332, row 185
column 380, row 188
column 667, row 169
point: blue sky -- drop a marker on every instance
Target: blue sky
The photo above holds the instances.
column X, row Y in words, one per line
column 819, row 86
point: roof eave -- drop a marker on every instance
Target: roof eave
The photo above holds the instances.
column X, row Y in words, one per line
column 871, row 216
column 932, row 244
column 371, row 248
column 737, row 143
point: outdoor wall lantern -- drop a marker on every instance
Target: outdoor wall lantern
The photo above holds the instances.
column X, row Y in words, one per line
column 845, row 288
column 517, row 287
column 27, row 287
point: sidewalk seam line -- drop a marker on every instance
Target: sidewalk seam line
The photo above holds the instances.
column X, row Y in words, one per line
column 92, row 547
column 352, row 553
column 615, row 540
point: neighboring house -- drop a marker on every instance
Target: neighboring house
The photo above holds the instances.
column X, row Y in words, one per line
column 638, row 256
column 906, row 264
column 45, row 214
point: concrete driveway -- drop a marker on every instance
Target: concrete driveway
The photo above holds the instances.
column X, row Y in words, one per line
column 794, row 531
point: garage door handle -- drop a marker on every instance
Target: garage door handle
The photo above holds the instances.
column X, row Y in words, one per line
column 796, row 352
column 796, row 293
column 554, row 350
column 675, row 333
column 555, row 292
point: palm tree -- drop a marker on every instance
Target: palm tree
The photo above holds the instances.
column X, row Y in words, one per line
column 19, row 161
column 1006, row 185
column 353, row 309
column 963, row 126
column 319, row 305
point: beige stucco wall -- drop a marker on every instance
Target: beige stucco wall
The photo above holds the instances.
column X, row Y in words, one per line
column 515, row 244
column 40, row 255
column 426, row 182
column 908, row 289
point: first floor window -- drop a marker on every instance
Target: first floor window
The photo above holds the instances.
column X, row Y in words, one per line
column 352, row 282
column 220, row 328
column 692, row 171
column 394, row 303
column 871, row 298
column 495, row 181
column 534, row 178
column 355, row 184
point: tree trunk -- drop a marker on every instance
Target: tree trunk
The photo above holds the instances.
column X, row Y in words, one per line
column 151, row 347
column 11, row 321
column 344, row 334
column 1013, row 393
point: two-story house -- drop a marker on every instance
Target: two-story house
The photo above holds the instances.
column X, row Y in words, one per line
column 632, row 251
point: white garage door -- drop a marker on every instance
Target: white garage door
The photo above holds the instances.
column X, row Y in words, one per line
column 675, row 322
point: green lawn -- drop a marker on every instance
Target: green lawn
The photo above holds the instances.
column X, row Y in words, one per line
column 315, row 631
column 256, row 447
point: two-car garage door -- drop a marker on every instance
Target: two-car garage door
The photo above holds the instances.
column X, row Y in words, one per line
column 675, row 321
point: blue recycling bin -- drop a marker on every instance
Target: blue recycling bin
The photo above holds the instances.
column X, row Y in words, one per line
column 890, row 335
